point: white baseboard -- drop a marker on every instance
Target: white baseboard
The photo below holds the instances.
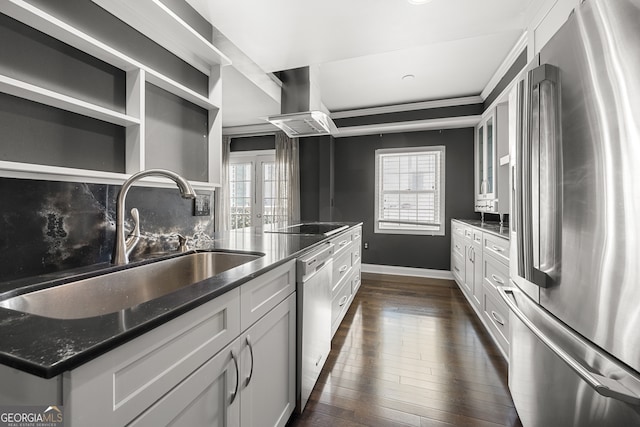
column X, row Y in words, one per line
column 407, row 271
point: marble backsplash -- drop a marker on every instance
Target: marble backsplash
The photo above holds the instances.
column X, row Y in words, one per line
column 49, row 226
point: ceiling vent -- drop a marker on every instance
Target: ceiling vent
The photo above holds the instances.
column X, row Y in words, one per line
column 302, row 111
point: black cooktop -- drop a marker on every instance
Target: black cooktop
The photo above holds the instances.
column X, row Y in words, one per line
column 314, row 228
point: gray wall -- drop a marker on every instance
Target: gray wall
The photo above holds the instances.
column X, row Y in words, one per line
column 354, row 194
column 317, row 174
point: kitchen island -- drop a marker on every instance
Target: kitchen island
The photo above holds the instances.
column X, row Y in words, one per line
column 60, row 358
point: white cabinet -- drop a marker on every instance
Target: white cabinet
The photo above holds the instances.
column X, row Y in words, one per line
column 480, row 264
column 485, row 157
column 208, row 397
column 251, row 382
column 491, row 176
column 473, row 267
column 268, row 368
column 346, row 274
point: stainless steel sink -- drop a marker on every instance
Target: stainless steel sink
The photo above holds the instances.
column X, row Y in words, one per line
column 123, row 289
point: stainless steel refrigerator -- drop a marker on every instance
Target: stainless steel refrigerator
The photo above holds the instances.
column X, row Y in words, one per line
column 575, row 224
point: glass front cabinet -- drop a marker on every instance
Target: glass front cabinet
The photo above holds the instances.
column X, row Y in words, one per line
column 486, row 159
column 491, row 172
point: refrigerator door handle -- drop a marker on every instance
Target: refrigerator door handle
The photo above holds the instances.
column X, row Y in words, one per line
column 540, row 163
column 605, row 386
column 547, row 216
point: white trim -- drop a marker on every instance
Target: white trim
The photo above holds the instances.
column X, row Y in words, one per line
column 513, row 54
column 252, row 154
column 250, row 130
column 407, row 271
column 440, row 150
column 44, row 96
column 156, row 21
column 57, row 173
column 410, row 126
column 424, row 105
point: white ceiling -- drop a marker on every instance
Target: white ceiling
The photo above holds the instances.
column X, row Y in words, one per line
column 363, row 48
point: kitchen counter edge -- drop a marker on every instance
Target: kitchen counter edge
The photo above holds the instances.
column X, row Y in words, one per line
column 47, row 347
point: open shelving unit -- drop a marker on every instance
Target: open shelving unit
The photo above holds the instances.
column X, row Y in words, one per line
column 156, row 21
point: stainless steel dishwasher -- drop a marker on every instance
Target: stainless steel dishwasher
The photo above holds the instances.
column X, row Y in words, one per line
column 314, row 271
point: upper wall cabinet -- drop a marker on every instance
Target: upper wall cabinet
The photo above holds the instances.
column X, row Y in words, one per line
column 76, row 104
column 491, row 176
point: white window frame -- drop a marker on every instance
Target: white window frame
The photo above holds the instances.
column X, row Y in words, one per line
column 425, row 229
column 256, row 158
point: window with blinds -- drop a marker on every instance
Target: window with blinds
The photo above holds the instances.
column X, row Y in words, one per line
column 410, row 190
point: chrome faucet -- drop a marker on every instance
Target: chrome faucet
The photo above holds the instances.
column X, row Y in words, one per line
column 124, row 245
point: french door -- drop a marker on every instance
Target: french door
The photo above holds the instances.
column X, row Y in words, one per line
column 252, row 188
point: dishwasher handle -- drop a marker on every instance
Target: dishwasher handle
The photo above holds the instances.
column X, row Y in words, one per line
column 315, row 259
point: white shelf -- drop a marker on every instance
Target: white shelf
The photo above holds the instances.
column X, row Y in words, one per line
column 159, row 23
column 54, row 99
column 57, row 173
column 154, row 20
column 178, row 90
column 48, row 24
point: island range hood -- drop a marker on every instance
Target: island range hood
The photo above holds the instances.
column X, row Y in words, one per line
column 302, row 112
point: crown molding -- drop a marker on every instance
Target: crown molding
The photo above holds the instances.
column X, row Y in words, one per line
column 413, row 106
column 410, row 126
column 509, row 60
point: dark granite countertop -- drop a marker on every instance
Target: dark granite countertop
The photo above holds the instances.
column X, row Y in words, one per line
column 47, row 347
column 489, row 226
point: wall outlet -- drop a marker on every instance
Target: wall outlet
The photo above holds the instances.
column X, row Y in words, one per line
column 366, row 245
column 202, row 205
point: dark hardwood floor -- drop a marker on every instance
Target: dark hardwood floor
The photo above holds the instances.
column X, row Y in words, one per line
column 411, row 354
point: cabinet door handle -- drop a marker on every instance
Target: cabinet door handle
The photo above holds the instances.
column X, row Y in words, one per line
column 343, row 269
column 497, row 248
column 251, row 353
column 497, row 279
column 343, row 300
column 456, row 269
column 497, row 317
column 344, row 242
column 234, row 394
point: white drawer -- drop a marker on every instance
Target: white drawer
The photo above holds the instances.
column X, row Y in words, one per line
column 260, row 295
column 356, row 280
column 357, row 234
column 496, row 312
column 457, row 246
column 340, row 303
column 342, row 243
column 494, row 271
column 497, row 247
column 457, row 268
column 341, row 268
column 458, row 229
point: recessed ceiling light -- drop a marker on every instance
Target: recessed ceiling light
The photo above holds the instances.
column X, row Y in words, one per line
column 408, row 77
column 419, row 1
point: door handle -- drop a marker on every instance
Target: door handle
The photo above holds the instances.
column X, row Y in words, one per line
column 497, row 279
column 538, row 163
column 605, row 386
column 497, row 317
column 248, row 380
column 234, row 393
